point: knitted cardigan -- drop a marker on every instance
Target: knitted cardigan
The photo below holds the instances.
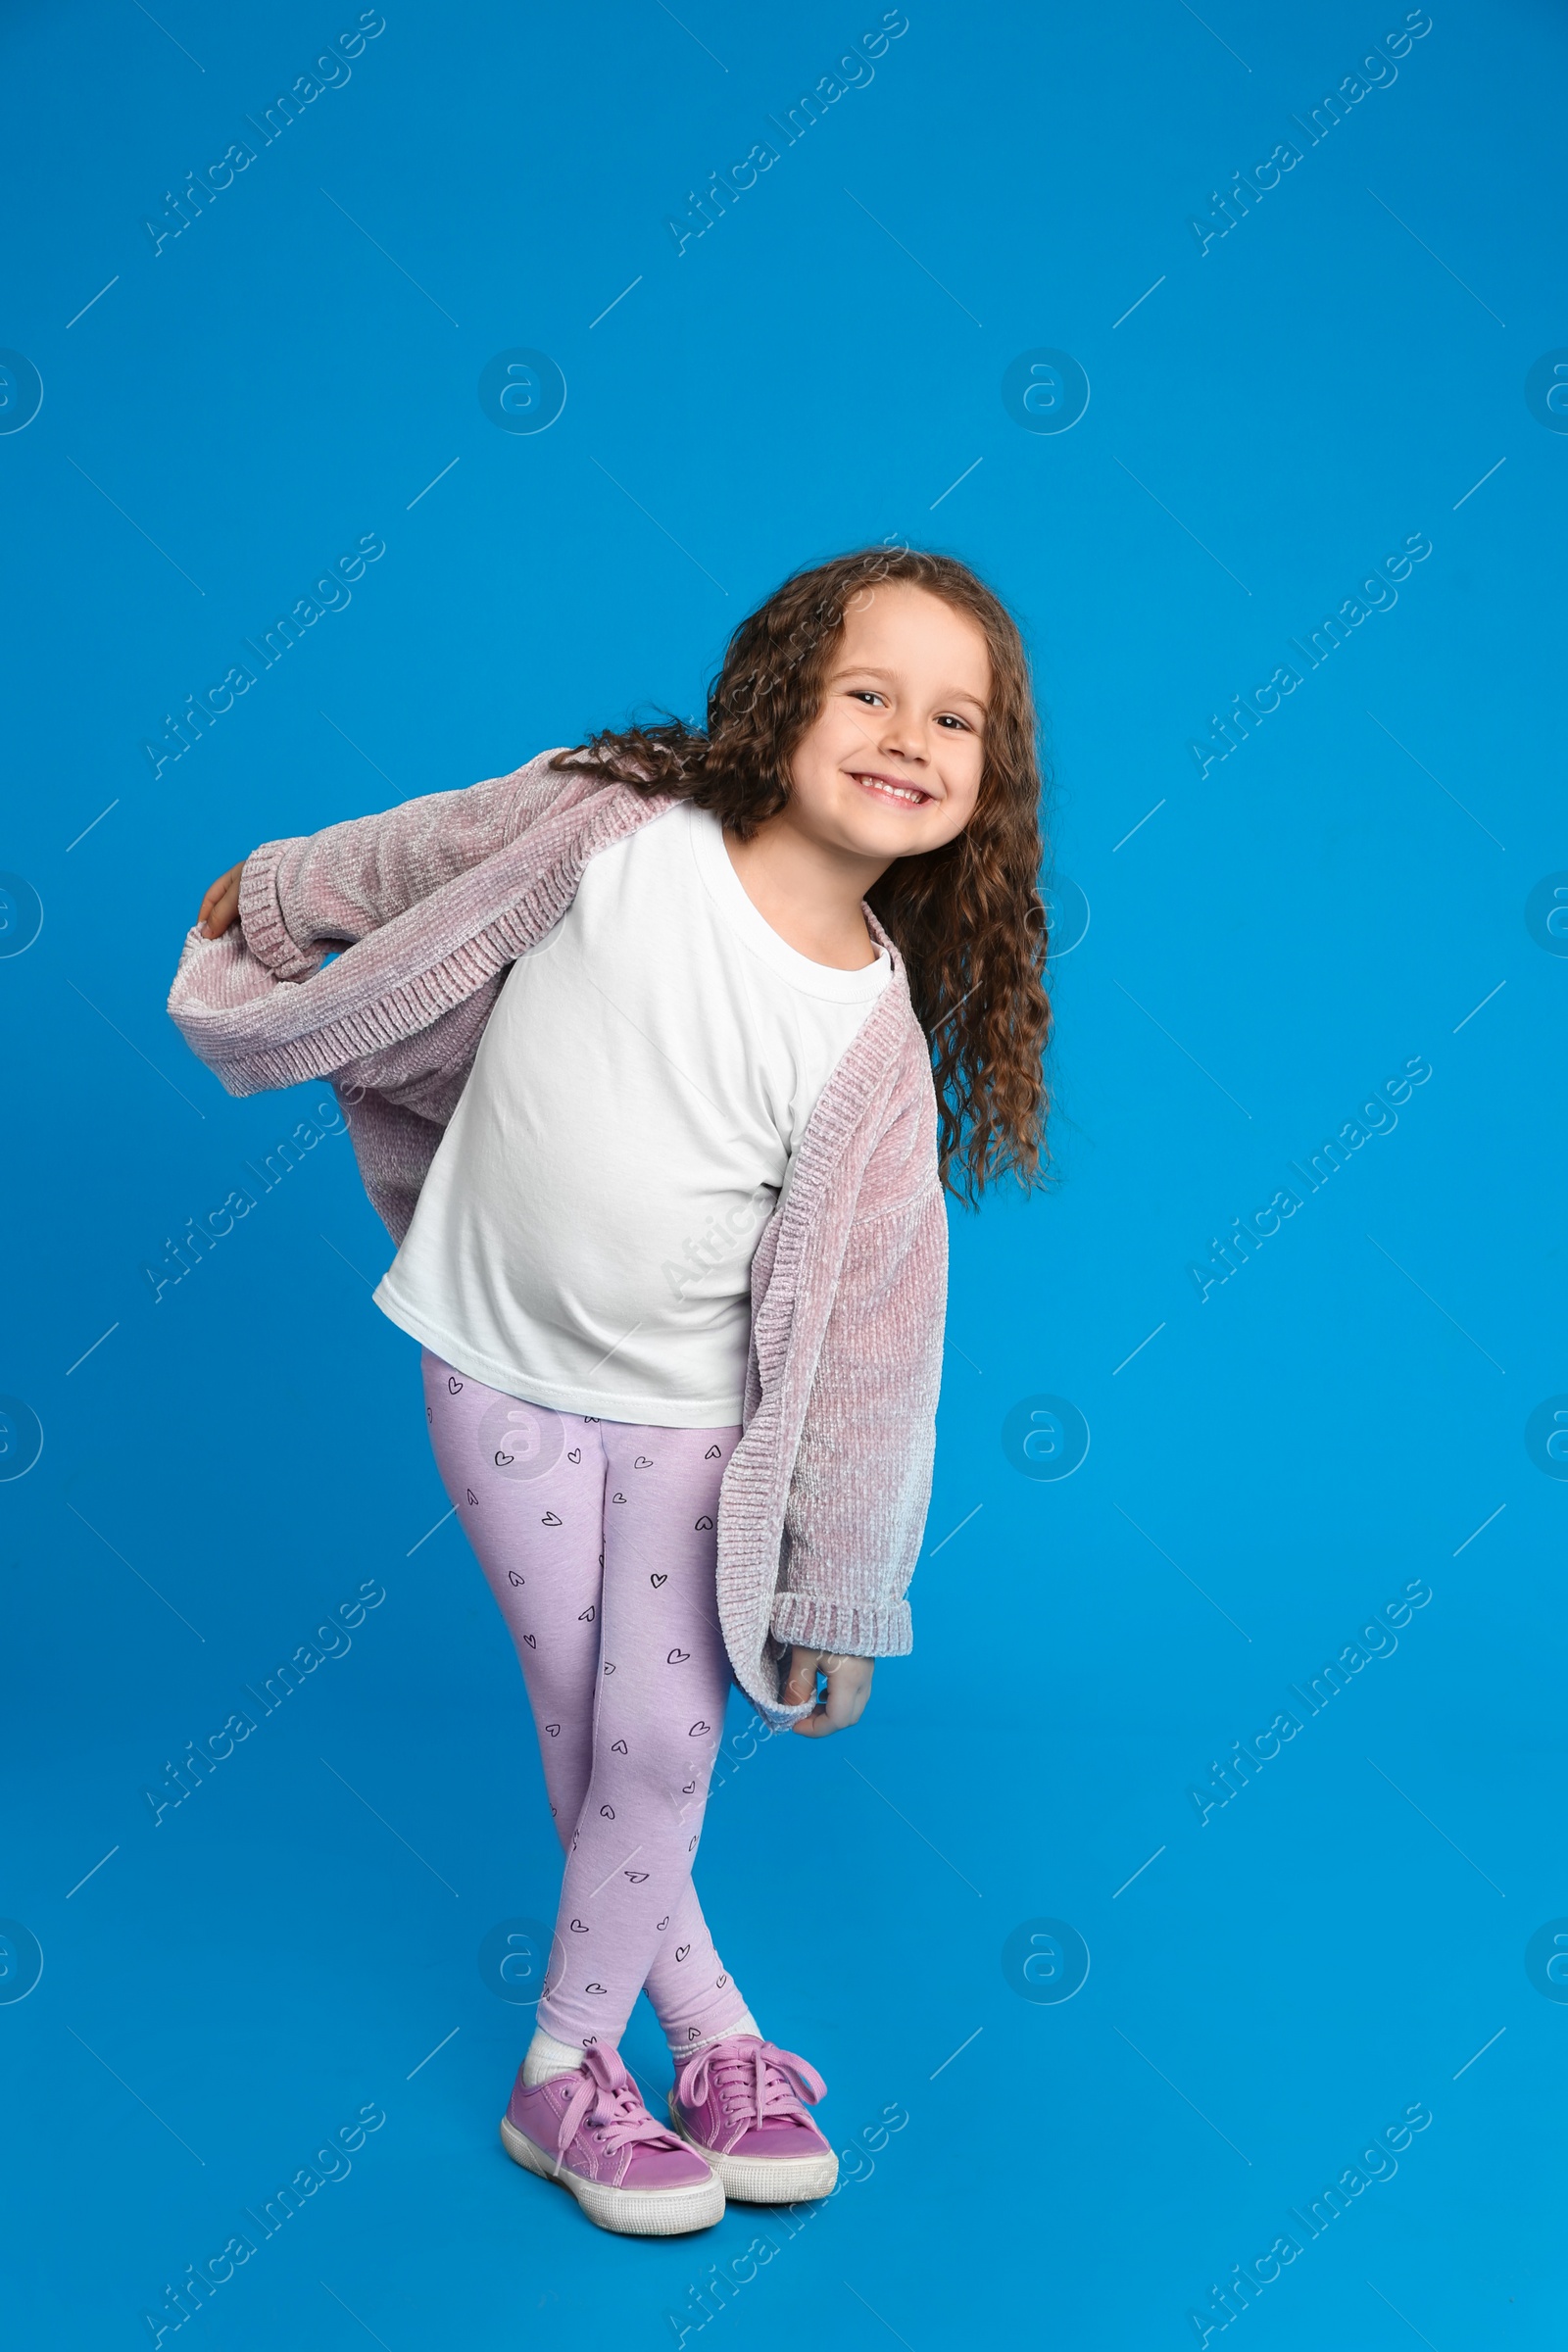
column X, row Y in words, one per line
column 823, row 1503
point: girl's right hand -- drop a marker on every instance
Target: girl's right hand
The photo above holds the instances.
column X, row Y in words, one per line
column 221, row 905
column 849, row 1686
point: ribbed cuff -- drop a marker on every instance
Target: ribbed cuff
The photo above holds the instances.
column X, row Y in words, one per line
column 852, row 1629
column 261, row 919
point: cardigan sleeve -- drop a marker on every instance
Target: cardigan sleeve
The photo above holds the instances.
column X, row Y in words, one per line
column 299, row 898
column 861, row 1481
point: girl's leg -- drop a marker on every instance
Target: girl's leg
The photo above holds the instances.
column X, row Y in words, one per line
column 528, row 1485
column 628, row 1912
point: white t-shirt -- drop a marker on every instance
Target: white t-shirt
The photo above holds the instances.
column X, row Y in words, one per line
column 585, row 1234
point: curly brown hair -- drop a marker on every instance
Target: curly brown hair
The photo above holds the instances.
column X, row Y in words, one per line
column 967, row 918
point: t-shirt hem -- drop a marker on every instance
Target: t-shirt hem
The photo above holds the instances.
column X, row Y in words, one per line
column 600, row 1404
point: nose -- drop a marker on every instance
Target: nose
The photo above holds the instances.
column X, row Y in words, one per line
column 902, row 738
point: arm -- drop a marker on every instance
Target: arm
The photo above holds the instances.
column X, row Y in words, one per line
column 296, row 899
column 861, row 1481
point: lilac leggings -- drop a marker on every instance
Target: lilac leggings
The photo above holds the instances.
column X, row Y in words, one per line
column 598, row 1540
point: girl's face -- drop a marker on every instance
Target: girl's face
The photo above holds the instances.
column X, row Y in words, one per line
column 890, row 764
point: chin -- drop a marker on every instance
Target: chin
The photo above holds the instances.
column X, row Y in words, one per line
column 889, row 838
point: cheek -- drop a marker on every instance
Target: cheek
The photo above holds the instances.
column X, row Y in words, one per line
column 844, row 728
column 832, row 736
column 961, row 772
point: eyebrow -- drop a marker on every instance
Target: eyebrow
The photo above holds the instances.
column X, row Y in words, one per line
column 869, row 669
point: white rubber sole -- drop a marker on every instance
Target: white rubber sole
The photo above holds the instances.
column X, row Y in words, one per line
column 765, row 2179
column 630, row 2212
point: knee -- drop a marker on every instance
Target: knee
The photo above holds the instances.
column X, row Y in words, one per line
column 670, row 1759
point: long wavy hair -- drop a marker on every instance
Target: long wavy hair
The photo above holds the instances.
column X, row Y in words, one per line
column 966, row 918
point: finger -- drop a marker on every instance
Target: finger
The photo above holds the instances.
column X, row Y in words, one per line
column 849, row 1686
column 217, row 917
column 833, row 1714
column 222, row 903
column 801, row 1682
column 215, row 891
column 845, row 1702
column 814, row 1726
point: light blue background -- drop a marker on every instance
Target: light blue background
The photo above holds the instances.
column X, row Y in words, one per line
column 1275, row 1464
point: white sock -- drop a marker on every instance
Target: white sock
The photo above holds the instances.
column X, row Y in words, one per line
column 746, row 2024
column 546, row 2056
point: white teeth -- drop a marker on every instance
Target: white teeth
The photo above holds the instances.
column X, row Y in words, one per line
column 895, row 792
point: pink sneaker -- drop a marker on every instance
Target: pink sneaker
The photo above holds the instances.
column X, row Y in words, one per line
column 739, row 2103
column 591, row 2132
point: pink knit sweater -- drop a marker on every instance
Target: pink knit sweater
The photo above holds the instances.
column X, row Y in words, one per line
column 824, row 1501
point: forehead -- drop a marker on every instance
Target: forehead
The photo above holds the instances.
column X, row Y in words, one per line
column 899, row 625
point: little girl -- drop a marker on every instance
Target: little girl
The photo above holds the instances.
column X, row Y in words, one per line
column 658, row 1054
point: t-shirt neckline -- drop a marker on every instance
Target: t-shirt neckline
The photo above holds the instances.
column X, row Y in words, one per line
column 728, row 893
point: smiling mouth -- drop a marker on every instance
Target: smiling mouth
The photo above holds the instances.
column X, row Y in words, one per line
column 887, row 788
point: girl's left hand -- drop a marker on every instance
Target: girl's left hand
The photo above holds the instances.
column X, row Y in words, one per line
column 220, row 906
column 849, row 1686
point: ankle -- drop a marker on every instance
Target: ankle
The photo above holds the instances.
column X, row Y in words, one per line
column 546, row 2056
column 746, row 2024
